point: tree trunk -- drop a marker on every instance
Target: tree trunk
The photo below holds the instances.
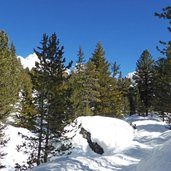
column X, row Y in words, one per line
column 46, row 144
column 40, row 133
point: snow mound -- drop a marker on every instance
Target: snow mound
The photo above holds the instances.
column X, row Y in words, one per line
column 111, row 134
column 159, row 159
column 29, row 61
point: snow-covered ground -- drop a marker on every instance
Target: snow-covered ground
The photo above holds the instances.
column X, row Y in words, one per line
column 14, row 137
column 146, row 148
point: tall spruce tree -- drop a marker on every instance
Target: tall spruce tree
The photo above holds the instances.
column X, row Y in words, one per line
column 102, row 68
column 84, row 83
column 110, row 97
column 144, row 77
column 51, row 99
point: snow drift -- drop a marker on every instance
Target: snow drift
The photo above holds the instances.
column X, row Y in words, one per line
column 159, row 159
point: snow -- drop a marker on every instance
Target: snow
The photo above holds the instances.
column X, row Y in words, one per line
column 29, row 61
column 14, row 139
column 130, row 75
column 146, row 148
column 159, row 159
column 110, row 133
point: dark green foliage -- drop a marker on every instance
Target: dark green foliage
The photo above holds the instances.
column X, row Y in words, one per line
column 9, row 81
column 115, row 70
column 49, row 83
column 161, row 87
column 124, row 86
column 27, row 110
column 9, row 76
column 162, row 83
column 166, row 14
column 144, row 78
column 80, row 61
column 132, row 99
column 102, row 68
column 84, row 83
column 109, row 103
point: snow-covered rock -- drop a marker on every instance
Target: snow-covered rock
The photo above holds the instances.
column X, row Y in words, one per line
column 110, row 133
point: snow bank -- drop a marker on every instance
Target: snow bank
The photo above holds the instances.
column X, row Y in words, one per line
column 111, row 134
column 159, row 159
column 29, row 61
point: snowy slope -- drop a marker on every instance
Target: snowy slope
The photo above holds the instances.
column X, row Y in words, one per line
column 159, row 159
column 148, row 151
column 29, row 61
column 12, row 155
column 150, row 134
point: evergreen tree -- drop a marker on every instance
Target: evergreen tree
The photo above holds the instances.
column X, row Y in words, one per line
column 102, row 68
column 50, row 95
column 90, row 93
column 166, row 14
column 9, row 84
column 110, row 98
column 27, row 110
column 161, row 87
column 115, row 69
column 80, row 61
column 144, row 78
column 116, row 99
column 124, row 87
column 84, row 83
column 163, row 71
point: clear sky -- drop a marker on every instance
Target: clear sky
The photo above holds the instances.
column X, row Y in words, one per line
column 125, row 27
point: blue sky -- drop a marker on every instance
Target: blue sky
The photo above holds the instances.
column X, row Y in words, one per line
column 125, row 27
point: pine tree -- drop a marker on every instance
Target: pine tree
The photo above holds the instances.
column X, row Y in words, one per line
column 91, row 85
column 115, row 69
column 102, row 68
column 27, row 110
column 144, row 78
column 166, row 14
column 124, row 88
column 80, row 61
column 50, row 95
column 84, row 87
column 161, row 87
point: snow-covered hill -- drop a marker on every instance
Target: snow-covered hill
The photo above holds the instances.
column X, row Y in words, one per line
column 29, row 61
column 125, row 149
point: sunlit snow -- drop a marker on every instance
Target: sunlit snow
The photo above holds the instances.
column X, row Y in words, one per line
column 29, row 61
column 148, row 151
